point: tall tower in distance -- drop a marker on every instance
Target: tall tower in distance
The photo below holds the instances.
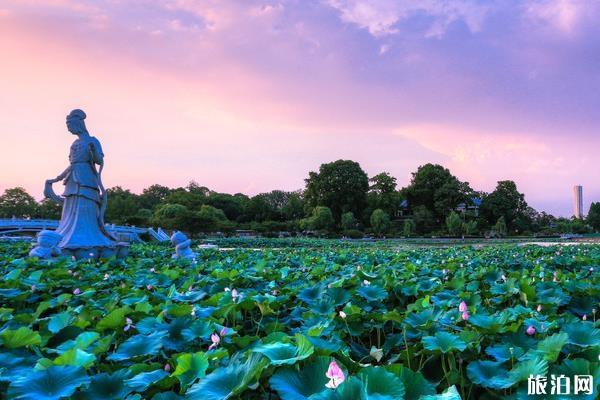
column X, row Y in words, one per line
column 578, row 201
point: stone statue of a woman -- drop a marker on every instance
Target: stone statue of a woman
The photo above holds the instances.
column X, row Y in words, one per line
column 84, row 199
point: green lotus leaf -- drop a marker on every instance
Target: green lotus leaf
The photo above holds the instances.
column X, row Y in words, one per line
column 372, row 293
column 488, row 374
column 415, row 384
column 582, row 334
column 504, row 351
column 422, row 318
column 311, row 294
column 141, row 382
column 59, row 321
column 492, row 323
column 108, row 386
column 76, row 357
column 49, row 384
column 551, row 346
column 581, row 367
column 82, row 341
column 300, row 383
column 190, row 366
column 138, row 345
column 524, row 369
column 351, row 389
column 10, row 293
column 338, row 295
column 380, row 384
column 450, row 394
column 443, row 342
column 20, row 337
column 226, row 382
column 286, row 353
column 115, row 319
column 167, row 396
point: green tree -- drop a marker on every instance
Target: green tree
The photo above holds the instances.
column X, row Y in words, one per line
column 424, row 219
column 232, row 205
column 470, row 227
column 454, row 224
column 322, row 219
column 16, row 202
column 341, row 186
column 500, row 227
column 348, row 220
column 408, row 228
column 382, row 193
column 121, row 205
column 172, row 216
column 380, row 221
column 506, row 202
column 437, row 190
column 48, row 209
column 210, row 219
column 153, row 195
column 593, row 217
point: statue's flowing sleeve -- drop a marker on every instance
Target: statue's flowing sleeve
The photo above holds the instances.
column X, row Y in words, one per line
column 97, row 154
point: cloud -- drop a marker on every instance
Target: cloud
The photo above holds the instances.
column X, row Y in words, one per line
column 381, row 17
column 563, row 15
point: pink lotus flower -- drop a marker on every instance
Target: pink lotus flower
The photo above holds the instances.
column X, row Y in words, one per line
column 342, row 315
column 465, row 316
column 539, row 308
column 335, row 375
column 191, row 288
column 167, row 367
column 234, row 295
column 462, row 307
column 223, row 331
column 152, row 270
column 215, row 339
column 128, row 324
column 149, row 287
column 531, row 330
column 76, row 291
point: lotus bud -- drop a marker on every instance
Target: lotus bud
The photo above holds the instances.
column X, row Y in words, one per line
column 462, row 307
column 76, row 291
column 342, row 315
column 531, row 330
column 335, row 374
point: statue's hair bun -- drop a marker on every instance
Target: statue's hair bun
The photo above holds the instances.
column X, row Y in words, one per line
column 76, row 114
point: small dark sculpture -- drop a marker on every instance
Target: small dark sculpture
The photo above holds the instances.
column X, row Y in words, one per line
column 47, row 245
column 182, row 246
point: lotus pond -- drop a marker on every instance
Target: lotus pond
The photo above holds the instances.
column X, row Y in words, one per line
column 337, row 322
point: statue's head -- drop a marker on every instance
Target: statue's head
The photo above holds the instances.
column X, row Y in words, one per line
column 178, row 238
column 75, row 122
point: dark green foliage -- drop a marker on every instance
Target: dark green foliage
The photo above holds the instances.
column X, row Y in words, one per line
column 341, row 186
column 593, row 217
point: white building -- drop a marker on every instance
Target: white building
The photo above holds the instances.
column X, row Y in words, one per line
column 578, row 201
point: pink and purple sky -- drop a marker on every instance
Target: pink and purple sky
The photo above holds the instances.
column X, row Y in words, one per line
column 248, row 96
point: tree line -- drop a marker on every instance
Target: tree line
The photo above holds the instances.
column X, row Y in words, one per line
column 339, row 199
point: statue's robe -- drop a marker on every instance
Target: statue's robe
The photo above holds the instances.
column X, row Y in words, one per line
column 81, row 225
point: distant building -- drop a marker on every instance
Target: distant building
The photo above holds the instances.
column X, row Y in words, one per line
column 578, row 201
column 471, row 207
